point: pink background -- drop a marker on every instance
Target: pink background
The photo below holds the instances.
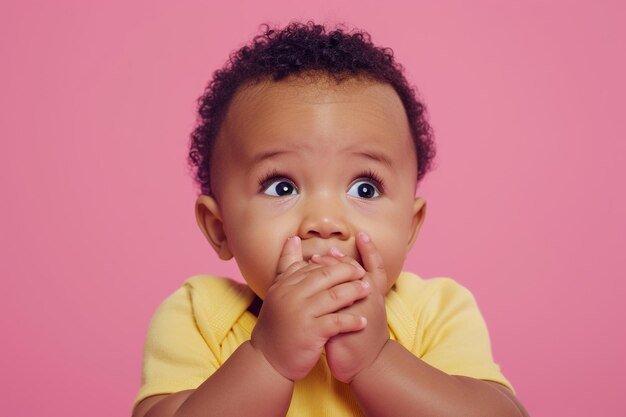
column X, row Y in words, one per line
column 526, row 206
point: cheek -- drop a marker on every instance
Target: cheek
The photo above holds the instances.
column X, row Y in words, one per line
column 247, row 227
column 391, row 239
column 253, row 246
column 256, row 241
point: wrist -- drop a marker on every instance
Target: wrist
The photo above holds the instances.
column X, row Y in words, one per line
column 374, row 366
column 265, row 362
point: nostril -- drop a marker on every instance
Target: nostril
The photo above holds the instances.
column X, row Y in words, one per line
column 325, row 235
column 324, row 227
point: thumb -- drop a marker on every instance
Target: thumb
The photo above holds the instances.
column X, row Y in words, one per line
column 291, row 253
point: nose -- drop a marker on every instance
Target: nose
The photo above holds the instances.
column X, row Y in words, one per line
column 324, row 219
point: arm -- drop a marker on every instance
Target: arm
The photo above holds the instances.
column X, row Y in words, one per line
column 389, row 380
column 398, row 383
column 245, row 385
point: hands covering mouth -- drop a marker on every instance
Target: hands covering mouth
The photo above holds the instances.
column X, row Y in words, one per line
column 324, row 301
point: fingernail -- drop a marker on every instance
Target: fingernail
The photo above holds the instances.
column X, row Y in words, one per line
column 315, row 256
column 294, row 241
column 336, row 252
column 365, row 284
column 364, row 237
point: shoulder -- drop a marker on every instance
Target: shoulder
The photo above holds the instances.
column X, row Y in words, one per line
column 210, row 294
column 448, row 330
column 431, row 294
column 195, row 316
column 200, row 288
column 418, row 307
column 182, row 345
column 201, row 296
column 213, row 288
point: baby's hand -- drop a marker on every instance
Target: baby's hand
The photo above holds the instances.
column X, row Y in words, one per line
column 300, row 311
column 348, row 354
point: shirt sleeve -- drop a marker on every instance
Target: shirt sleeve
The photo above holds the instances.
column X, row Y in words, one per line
column 176, row 356
column 453, row 335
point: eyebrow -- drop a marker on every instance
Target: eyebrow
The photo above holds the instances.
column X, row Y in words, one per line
column 268, row 155
column 372, row 155
column 375, row 156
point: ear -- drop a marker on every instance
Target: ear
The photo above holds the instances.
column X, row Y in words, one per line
column 210, row 222
column 419, row 213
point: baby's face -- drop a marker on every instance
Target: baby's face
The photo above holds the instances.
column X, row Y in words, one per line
column 317, row 160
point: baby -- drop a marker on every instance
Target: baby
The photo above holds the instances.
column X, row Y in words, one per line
column 308, row 151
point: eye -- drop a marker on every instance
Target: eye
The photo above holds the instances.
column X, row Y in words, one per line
column 279, row 187
column 363, row 189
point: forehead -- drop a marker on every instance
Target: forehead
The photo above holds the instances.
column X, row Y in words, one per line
column 314, row 114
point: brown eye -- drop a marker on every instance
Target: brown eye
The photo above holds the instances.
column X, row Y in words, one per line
column 363, row 189
column 280, row 188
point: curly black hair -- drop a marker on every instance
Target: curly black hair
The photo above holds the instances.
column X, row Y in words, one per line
column 301, row 48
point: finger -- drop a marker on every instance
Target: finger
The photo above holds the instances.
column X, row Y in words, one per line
column 344, row 258
column 290, row 254
column 339, row 297
column 334, row 256
column 370, row 256
column 331, row 257
column 336, row 323
column 335, row 252
column 324, row 260
column 326, row 277
column 299, row 271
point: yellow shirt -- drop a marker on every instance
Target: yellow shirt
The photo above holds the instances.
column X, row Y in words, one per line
column 197, row 328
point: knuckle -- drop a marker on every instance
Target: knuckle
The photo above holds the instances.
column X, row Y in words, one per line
column 333, row 294
column 350, row 269
column 295, row 267
column 325, row 273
